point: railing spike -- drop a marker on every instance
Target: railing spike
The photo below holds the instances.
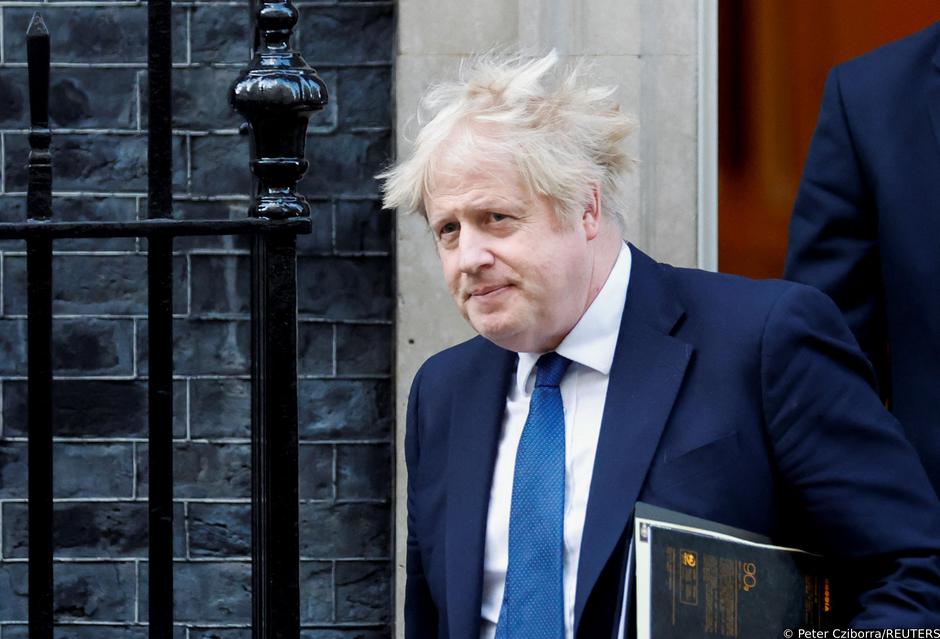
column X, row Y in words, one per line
column 37, row 27
column 39, row 198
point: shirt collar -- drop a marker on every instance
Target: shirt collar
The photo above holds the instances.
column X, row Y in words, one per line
column 593, row 339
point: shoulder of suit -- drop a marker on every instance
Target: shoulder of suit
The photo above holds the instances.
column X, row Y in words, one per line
column 461, row 358
column 895, row 60
column 733, row 307
column 697, row 287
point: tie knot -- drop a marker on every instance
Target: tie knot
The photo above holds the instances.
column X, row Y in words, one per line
column 551, row 368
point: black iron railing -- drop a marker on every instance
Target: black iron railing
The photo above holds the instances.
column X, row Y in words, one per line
column 276, row 94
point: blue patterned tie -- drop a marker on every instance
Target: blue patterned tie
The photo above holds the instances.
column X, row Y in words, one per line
column 533, row 602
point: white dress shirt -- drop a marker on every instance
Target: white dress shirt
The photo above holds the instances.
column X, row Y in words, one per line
column 590, row 347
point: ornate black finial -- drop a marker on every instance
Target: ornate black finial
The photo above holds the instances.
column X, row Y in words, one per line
column 39, row 190
column 276, row 94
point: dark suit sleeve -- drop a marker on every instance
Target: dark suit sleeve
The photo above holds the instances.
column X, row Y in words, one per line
column 846, row 463
column 420, row 611
column 833, row 231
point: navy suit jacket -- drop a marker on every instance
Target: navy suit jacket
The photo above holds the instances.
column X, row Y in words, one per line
column 866, row 223
column 740, row 401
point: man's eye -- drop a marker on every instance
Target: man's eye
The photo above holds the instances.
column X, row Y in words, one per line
column 446, row 229
column 497, row 217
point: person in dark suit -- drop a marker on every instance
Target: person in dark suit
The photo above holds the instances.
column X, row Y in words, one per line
column 601, row 377
column 866, row 222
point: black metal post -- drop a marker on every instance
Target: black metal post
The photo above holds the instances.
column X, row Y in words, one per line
column 276, row 94
column 39, row 305
column 160, row 321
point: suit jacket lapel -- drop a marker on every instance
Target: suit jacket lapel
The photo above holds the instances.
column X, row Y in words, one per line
column 476, row 422
column 647, row 371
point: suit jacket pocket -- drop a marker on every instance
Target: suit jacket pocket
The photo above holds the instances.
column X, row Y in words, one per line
column 710, row 458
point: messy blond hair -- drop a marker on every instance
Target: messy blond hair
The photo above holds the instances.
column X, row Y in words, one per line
column 563, row 132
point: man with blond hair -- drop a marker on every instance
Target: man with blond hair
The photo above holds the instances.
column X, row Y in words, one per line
column 601, row 377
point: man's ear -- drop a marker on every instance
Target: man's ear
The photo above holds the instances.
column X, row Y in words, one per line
column 591, row 216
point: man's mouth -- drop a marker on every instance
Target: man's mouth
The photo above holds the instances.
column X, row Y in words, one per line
column 487, row 291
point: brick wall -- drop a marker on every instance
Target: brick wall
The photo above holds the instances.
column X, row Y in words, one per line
column 98, row 108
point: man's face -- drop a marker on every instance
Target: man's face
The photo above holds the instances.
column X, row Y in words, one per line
column 519, row 275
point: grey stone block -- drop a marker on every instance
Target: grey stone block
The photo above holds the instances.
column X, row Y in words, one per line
column 316, row 592
column 220, row 164
column 345, row 288
column 220, row 408
column 12, row 347
column 92, row 470
column 14, row 590
column 220, row 633
column 316, row 472
column 116, row 530
column 78, row 98
column 346, row 34
column 203, row 470
column 326, row 119
column 320, row 239
column 362, row 225
column 79, row 347
column 203, row 347
column 314, row 348
column 99, row 632
column 200, row 98
column 80, row 34
column 220, row 33
column 14, row 99
column 93, row 347
column 345, row 409
column 364, row 471
column 215, row 210
column 92, row 162
column 205, row 592
column 94, row 591
column 365, row 96
column 221, row 284
column 219, row 530
column 345, row 633
column 346, row 163
column 362, row 591
column 71, row 209
column 13, row 470
column 346, row 530
column 92, row 408
column 93, row 284
column 363, row 350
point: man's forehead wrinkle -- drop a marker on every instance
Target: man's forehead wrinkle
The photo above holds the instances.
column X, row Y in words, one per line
column 476, row 199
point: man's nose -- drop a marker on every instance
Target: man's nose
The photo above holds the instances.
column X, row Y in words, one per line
column 474, row 251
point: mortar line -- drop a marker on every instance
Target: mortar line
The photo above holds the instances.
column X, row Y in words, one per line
column 3, row 158
column 137, row 88
column 335, row 368
column 134, row 353
column 188, row 141
column 186, row 538
column 189, row 283
column 137, row 592
column 335, row 476
column 333, row 588
column 137, row 200
column 134, row 469
column 189, row 36
column 333, row 226
column 189, row 432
